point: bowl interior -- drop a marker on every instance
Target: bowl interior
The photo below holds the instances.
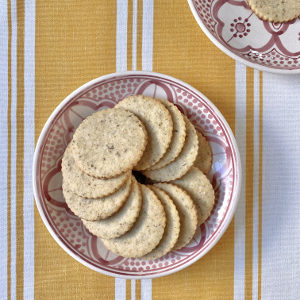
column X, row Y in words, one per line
column 69, row 230
column 232, row 24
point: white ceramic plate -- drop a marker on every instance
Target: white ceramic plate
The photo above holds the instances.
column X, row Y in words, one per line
column 106, row 91
column 237, row 31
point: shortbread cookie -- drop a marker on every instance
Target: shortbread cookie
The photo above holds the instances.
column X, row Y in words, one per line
column 204, row 157
column 187, row 212
column 97, row 209
column 276, row 10
column 109, row 143
column 172, row 229
column 147, row 232
column 87, row 186
column 197, row 185
column 158, row 122
column 181, row 165
column 122, row 221
column 178, row 137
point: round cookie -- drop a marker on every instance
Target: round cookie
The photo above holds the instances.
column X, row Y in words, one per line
column 97, row 209
column 200, row 189
column 87, row 186
column 187, row 212
column 122, row 221
column 158, row 122
column 204, row 157
column 276, row 10
column 172, row 229
column 178, row 137
column 184, row 161
column 147, row 232
column 109, row 143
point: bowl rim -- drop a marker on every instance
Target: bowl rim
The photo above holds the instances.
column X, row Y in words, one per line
column 232, row 54
column 231, row 209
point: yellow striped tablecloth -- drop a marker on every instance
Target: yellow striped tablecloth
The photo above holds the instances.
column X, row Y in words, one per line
column 48, row 49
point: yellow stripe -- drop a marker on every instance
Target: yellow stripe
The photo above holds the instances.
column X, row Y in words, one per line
column 9, row 154
column 249, row 184
column 128, row 289
column 260, row 179
column 20, row 149
column 129, row 67
column 129, row 35
column 138, row 290
column 182, row 50
column 139, row 34
column 75, row 42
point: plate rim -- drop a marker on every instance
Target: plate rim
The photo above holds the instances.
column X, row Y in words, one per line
column 235, row 197
column 233, row 55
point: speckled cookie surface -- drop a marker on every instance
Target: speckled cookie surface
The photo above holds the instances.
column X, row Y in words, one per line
column 87, row 186
column 204, row 157
column 147, row 232
column 172, row 229
column 187, row 212
column 97, row 209
column 184, row 161
column 178, row 136
column 200, row 189
column 158, row 122
column 276, row 10
column 109, row 143
column 122, row 221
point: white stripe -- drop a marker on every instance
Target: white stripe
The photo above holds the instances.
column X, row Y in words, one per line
column 133, row 289
column 121, row 65
column 239, row 221
column 134, row 34
column 147, row 65
column 255, row 186
column 120, row 289
column 29, row 106
column 121, row 45
column 281, row 188
column 3, row 146
column 147, row 52
column 13, row 149
column 147, row 46
column 146, row 289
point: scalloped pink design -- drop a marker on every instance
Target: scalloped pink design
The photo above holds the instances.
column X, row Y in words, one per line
column 233, row 24
column 106, row 93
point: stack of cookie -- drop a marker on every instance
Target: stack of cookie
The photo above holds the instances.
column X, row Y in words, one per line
column 152, row 137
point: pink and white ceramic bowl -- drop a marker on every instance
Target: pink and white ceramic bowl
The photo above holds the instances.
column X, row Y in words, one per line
column 106, row 91
column 237, row 31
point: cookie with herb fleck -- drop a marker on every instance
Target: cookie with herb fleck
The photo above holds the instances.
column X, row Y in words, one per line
column 276, row 10
column 172, row 229
column 204, row 157
column 184, row 161
column 122, row 221
column 187, row 212
column 159, row 125
column 178, row 136
column 146, row 233
column 109, row 143
column 99, row 208
column 85, row 185
column 197, row 185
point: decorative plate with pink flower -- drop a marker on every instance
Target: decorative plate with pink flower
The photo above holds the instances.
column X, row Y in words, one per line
column 106, row 91
column 233, row 27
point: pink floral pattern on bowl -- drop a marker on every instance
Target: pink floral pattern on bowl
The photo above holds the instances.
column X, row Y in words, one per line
column 236, row 30
column 105, row 92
